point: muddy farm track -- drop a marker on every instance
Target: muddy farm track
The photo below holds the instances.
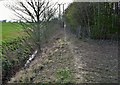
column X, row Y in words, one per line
column 84, row 61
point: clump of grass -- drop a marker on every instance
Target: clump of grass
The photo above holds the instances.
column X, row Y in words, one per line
column 64, row 75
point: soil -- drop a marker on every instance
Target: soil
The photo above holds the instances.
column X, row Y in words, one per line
column 89, row 61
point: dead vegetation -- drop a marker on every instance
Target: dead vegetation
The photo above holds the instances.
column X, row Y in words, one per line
column 74, row 61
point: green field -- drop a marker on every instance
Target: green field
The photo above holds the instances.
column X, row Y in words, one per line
column 10, row 31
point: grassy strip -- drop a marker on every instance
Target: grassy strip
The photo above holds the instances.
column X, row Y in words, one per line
column 10, row 31
column 14, row 55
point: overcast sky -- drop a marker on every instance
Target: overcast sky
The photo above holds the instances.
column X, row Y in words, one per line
column 7, row 14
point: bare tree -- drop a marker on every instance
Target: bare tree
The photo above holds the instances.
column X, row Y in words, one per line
column 34, row 15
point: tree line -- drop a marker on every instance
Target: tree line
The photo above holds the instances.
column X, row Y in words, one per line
column 93, row 20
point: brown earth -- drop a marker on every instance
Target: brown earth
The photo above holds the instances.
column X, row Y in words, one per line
column 83, row 61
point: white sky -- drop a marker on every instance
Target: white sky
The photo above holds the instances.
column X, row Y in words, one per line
column 7, row 14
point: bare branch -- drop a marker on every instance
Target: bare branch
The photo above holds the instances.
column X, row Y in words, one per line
column 35, row 14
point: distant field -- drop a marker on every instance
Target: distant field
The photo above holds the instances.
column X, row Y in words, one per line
column 11, row 31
